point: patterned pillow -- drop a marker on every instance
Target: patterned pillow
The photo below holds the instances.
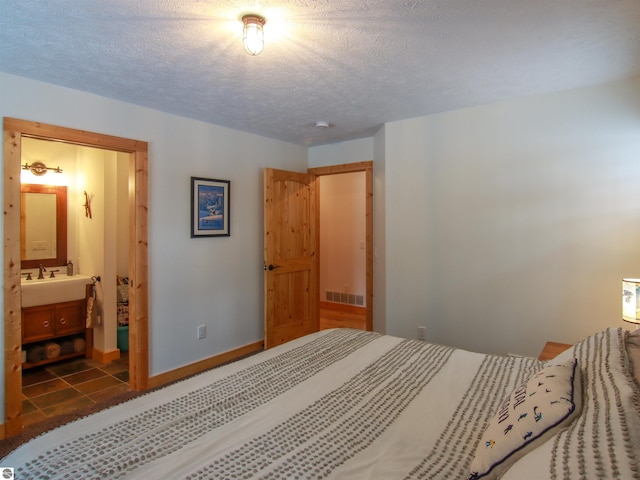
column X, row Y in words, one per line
column 535, row 411
column 633, row 349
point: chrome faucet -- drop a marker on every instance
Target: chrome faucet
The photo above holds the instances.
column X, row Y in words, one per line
column 41, row 271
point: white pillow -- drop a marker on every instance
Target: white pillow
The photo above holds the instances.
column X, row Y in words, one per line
column 532, row 413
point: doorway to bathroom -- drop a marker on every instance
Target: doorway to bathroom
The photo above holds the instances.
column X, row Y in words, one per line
column 134, row 153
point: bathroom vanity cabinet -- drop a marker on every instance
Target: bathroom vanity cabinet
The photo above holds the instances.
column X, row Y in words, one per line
column 56, row 322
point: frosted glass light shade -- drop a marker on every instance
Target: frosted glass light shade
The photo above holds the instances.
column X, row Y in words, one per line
column 631, row 300
column 253, row 34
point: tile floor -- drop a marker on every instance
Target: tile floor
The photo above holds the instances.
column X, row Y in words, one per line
column 65, row 386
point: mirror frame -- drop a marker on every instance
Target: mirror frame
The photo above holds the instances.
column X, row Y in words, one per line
column 61, row 225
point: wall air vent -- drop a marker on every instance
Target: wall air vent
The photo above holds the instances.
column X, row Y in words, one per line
column 346, row 298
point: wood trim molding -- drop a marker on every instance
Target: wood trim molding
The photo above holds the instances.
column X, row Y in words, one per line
column 206, row 364
column 14, row 130
column 105, row 357
column 366, row 167
column 11, row 289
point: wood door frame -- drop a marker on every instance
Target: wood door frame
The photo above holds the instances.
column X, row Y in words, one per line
column 366, row 167
column 14, row 130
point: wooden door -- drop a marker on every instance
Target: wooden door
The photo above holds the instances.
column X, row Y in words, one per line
column 290, row 256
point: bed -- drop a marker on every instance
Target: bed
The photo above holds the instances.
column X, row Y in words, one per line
column 350, row 404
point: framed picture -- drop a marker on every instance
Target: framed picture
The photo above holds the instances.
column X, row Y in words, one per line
column 209, row 207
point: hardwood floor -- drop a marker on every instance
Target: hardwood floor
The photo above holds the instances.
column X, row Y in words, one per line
column 336, row 315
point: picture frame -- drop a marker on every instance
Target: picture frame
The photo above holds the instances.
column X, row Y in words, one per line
column 210, row 208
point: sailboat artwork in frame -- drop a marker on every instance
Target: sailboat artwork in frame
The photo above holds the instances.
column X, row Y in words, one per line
column 210, row 207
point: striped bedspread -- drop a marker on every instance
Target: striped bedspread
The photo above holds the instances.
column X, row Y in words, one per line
column 335, row 404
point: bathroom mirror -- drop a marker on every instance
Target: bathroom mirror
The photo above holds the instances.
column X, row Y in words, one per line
column 43, row 225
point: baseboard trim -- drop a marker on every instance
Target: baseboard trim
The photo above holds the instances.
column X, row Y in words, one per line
column 206, row 364
column 105, row 357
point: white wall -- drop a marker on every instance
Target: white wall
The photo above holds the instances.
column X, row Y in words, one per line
column 504, row 226
column 379, row 233
column 511, row 224
column 497, row 227
column 343, row 234
column 211, row 281
column 338, row 153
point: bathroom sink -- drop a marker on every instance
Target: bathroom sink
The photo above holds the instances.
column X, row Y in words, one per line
column 53, row 290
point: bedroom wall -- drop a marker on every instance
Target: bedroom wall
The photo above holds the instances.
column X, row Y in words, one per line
column 503, row 226
column 513, row 223
column 212, row 281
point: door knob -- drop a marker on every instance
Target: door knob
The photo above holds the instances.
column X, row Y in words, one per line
column 271, row 267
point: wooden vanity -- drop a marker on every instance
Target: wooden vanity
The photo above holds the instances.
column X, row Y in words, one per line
column 56, row 322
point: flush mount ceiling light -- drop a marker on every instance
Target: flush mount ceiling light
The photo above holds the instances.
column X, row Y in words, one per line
column 253, row 34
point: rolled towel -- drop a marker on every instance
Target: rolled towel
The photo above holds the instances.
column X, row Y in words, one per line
column 66, row 347
column 79, row 344
column 53, row 349
column 36, row 353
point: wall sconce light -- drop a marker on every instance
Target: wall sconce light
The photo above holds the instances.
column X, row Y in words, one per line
column 631, row 300
column 39, row 168
column 253, row 34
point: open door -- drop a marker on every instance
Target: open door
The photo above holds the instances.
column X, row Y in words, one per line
column 290, row 256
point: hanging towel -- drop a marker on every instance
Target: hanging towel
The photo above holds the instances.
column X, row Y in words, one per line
column 53, row 349
column 93, row 319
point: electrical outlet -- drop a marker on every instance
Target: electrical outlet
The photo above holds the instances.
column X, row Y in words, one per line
column 422, row 333
column 202, row 331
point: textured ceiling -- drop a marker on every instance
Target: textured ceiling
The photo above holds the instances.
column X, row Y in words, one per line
column 355, row 64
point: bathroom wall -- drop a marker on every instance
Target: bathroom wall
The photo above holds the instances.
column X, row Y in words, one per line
column 122, row 216
column 98, row 236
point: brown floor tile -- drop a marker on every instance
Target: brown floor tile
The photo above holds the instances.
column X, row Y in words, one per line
column 116, row 366
column 63, row 368
column 33, row 417
column 49, row 399
column 108, row 393
column 93, row 386
column 45, row 387
column 113, row 368
column 84, row 376
column 36, row 375
column 28, row 407
column 68, row 406
column 68, row 385
column 93, row 363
